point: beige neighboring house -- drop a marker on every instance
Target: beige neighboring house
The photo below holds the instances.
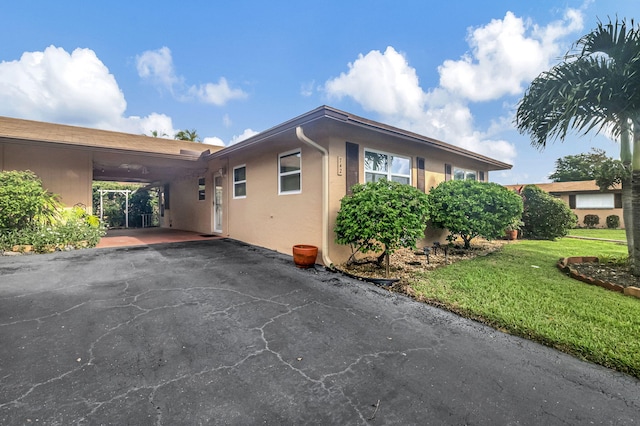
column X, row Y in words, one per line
column 585, row 197
column 276, row 189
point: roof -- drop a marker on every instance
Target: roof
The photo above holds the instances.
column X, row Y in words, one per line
column 333, row 114
column 19, row 129
column 566, row 187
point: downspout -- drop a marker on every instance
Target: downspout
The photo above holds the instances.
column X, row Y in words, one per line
column 325, row 194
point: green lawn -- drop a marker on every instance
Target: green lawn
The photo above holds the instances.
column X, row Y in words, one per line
column 521, row 291
column 608, row 234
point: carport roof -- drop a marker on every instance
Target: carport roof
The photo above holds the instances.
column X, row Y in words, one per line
column 36, row 131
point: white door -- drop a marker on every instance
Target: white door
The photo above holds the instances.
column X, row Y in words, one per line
column 217, row 204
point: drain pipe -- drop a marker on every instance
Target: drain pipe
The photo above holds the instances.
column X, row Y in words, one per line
column 325, row 194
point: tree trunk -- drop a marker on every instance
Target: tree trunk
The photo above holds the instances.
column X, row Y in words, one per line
column 627, row 215
column 386, row 265
column 635, row 224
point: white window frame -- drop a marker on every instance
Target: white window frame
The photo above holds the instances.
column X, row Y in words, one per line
column 595, row 201
column 466, row 171
column 389, row 173
column 238, row 182
column 298, row 172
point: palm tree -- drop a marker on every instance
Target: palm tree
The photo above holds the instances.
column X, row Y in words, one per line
column 187, row 135
column 594, row 88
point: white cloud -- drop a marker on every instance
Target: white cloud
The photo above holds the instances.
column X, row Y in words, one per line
column 216, row 93
column 244, row 135
column 157, row 66
column 213, row 141
column 226, row 121
column 54, row 85
column 71, row 88
column 505, row 54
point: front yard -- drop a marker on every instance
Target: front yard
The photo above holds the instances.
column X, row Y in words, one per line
column 519, row 290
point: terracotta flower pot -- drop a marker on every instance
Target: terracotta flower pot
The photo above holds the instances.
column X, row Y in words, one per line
column 304, row 256
column 512, row 234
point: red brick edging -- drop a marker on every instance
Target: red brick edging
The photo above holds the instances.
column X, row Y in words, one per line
column 564, row 264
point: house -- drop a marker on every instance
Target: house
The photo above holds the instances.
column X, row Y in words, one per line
column 276, row 189
column 585, row 198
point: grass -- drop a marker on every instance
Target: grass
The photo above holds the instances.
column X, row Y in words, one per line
column 607, row 234
column 520, row 290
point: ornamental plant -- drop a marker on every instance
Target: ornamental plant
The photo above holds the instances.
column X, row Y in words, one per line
column 591, row 220
column 381, row 217
column 24, row 202
column 469, row 209
column 545, row 217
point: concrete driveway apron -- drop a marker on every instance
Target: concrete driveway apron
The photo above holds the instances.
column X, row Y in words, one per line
column 218, row 332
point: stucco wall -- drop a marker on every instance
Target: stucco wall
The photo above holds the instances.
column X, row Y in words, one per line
column 601, row 213
column 186, row 211
column 66, row 172
column 264, row 217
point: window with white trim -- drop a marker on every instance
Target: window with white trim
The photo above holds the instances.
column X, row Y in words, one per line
column 595, row 201
column 290, row 172
column 240, row 181
column 464, row 174
column 382, row 165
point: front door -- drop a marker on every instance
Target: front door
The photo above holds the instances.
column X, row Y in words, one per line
column 217, row 204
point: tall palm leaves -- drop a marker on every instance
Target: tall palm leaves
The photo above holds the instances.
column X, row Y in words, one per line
column 596, row 87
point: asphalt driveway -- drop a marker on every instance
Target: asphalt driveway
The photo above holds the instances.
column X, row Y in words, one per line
column 218, row 332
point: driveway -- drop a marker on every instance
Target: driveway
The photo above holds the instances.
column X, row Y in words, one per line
column 218, row 332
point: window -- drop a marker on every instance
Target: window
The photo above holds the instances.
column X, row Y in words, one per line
column 381, row 165
column 463, row 174
column 201, row 189
column 290, row 173
column 240, row 182
column 595, row 201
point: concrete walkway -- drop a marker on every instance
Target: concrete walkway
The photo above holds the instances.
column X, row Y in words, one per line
column 218, row 332
column 145, row 236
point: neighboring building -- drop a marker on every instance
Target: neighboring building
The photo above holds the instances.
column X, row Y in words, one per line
column 585, row 197
column 276, row 189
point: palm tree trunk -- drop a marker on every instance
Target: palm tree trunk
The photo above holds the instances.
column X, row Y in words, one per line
column 635, row 224
column 627, row 215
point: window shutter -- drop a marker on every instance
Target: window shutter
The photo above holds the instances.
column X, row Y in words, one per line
column 481, row 176
column 420, row 183
column 617, row 201
column 572, row 201
column 447, row 172
column 353, row 165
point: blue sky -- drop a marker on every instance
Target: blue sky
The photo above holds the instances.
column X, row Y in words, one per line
column 450, row 70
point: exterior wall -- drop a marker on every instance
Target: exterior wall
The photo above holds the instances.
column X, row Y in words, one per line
column 186, row 211
column 63, row 171
column 264, row 217
column 602, row 213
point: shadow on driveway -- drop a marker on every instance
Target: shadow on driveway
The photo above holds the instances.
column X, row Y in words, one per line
column 218, row 332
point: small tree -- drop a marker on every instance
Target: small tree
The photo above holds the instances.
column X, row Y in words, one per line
column 381, row 217
column 24, row 202
column 545, row 217
column 472, row 209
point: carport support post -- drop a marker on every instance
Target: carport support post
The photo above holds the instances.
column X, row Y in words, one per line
column 126, row 210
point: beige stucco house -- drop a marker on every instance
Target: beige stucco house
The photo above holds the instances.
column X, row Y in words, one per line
column 276, row 189
column 585, row 197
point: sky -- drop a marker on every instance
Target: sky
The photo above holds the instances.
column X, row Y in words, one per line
column 452, row 70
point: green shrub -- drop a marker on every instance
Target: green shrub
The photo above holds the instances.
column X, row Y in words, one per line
column 591, row 220
column 613, row 221
column 381, row 217
column 472, row 209
column 24, row 202
column 545, row 217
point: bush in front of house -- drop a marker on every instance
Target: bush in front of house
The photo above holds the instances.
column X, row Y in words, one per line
column 31, row 216
column 24, row 202
column 591, row 220
column 470, row 209
column 545, row 217
column 381, row 217
column 613, row 221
